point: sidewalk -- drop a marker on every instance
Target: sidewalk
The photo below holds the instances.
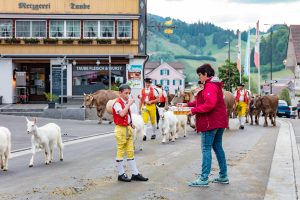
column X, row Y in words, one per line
column 284, row 180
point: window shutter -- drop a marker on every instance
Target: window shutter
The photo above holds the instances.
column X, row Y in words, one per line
column 180, row 82
column 168, row 82
column 161, row 72
column 168, row 72
column 173, row 82
column 161, row 82
column 155, row 82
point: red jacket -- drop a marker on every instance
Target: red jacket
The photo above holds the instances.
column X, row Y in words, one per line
column 118, row 120
column 209, row 107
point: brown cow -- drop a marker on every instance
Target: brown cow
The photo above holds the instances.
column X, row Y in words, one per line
column 229, row 103
column 255, row 109
column 269, row 104
column 99, row 100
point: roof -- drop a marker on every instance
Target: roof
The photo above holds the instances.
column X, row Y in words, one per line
column 154, row 65
column 295, row 31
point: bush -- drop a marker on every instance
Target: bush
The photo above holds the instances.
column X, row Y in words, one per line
column 285, row 95
column 209, row 58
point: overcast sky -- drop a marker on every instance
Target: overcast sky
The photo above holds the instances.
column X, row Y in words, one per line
column 229, row 14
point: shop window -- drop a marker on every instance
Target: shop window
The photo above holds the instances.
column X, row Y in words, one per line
column 57, row 28
column 5, row 28
column 107, row 29
column 73, row 29
column 88, row 79
column 23, row 29
column 124, row 29
column 90, row 29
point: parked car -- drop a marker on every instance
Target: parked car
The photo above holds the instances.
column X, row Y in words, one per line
column 285, row 110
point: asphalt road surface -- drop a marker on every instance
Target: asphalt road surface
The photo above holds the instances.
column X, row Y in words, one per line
column 88, row 171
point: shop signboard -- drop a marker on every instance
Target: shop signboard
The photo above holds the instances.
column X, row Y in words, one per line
column 134, row 76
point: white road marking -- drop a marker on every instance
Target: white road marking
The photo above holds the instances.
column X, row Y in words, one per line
column 19, row 153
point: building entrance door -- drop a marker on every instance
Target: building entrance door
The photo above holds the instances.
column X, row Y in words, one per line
column 38, row 82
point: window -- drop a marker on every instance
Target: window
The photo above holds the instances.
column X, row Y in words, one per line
column 164, row 72
column 177, row 82
column 164, row 82
column 107, row 29
column 57, row 28
column 5, row 28
column 73, row 29
column 90, row 29
column 124, row 29
column 23, row 29
column 38, row 29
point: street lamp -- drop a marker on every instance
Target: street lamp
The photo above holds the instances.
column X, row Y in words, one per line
column 228, row 42
column 229, row 74
column 271, row 54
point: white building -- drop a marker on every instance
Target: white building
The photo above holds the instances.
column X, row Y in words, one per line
column 169, row 75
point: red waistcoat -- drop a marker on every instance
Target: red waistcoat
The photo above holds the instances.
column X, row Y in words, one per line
column 151, row 96
column 238, row 95
column 118, row 120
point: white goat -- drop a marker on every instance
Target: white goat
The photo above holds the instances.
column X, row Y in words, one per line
column 5, row 147
column 181, row 124
column 167, row 124
column 138, row 131
column 46, row 138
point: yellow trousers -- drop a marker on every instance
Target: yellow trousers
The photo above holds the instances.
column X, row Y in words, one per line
column 149, row 111
column 241, row 109
column 124, row 142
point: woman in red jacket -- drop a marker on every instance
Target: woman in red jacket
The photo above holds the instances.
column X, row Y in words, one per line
column 211, row 121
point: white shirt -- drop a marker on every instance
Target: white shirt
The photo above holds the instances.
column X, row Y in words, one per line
column 242, row 96
column 147, row 91
column 118, row 108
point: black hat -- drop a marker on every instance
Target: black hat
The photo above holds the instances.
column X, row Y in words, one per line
column 241, row 84
column 199, row 82
column 148, row 80
column 158, row 85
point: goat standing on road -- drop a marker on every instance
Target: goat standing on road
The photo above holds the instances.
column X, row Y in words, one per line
column 45, row 137
column 5, row 146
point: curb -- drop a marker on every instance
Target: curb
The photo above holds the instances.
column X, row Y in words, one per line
column 284, row 176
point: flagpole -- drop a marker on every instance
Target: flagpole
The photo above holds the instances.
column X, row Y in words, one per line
column 248, row 60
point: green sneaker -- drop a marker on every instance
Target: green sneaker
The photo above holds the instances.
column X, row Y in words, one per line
column 220, row 180
column 198, row 183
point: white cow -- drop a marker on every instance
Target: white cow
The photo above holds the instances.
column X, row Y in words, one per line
column 45, row 138
column 167, row 124
column 5, row 147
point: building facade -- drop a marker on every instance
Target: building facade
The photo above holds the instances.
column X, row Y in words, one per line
column 169, row 75
column 74, row 46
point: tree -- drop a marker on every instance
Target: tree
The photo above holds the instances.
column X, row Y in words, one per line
column 230, row 76
column 285, row 95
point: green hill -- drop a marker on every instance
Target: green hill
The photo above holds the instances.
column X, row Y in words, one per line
column 198, row 43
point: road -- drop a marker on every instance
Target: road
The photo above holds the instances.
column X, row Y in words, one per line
column 88, row 171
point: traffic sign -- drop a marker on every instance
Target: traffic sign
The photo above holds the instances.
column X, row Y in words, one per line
column 272, row 81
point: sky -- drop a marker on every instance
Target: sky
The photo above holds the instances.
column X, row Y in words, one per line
column 229, row 14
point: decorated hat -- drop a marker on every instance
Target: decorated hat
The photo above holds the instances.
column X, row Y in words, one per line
column 148, row 80
column 241, row 84
column 158, row 85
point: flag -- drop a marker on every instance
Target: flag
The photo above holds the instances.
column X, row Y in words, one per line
column 169, row 23
column 247, row 56
column 256, row 51
column 238, row 61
